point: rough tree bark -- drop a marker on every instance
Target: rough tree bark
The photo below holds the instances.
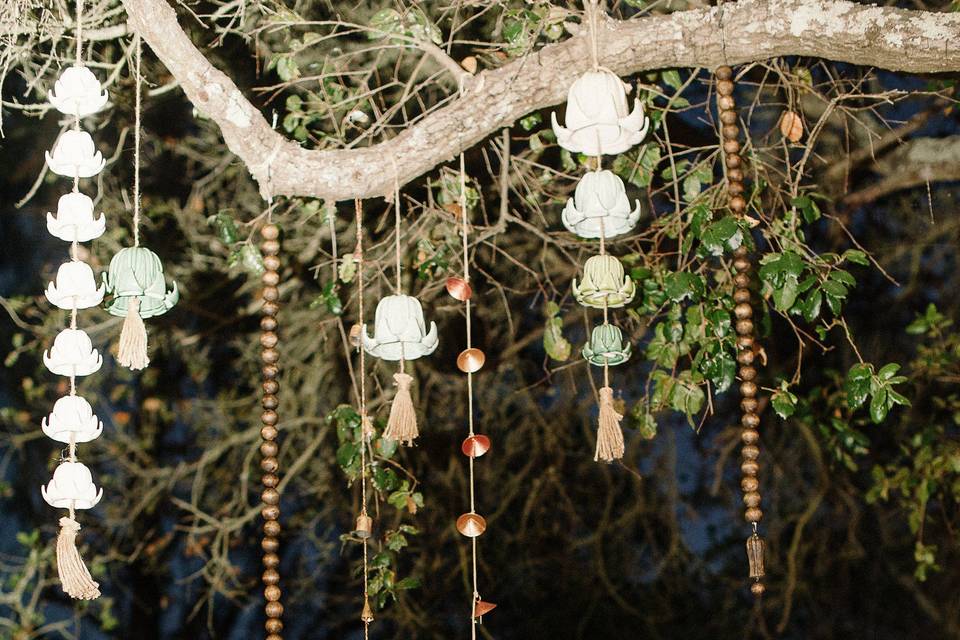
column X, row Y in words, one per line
column 733, row 33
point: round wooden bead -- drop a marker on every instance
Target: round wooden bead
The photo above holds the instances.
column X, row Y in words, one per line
column 745, row 342
column 735, row 175
column 268, row 339
column 271, row 528
column 749, row 467
column 270, row 247
column 745, row 357
column 757, row 589
column 737, row 204
column 748, row 389
column 270, row 308
column 270, row 544
column 274, row 636
column 732, row 161
column 750, row 452
column 744, row 327
column 753, row 514
column 749, row 436
column 271, row 263
column 270, row 278
column 743, row 311
column 741, row 280
column 272, row 593
column 735, row 188
column 268, row 432
column 270, row 497
column 270, row 512
column 268, row 448
column 270, row 480
column 750, row 420
column 270, row 386
column 270, row 232
column 749, row 483
column 270, row 576
column 270, row 465
column 725, row 87
column 269, row 402
column 749, row 405
column 741, row 264
column 741, row 295
column 270, row 356
column 269, row 371
column 271, row 294
column 731, row 146
column 724, row 72
column 728, row 117
column 726, row 103
column 273, row 609
column 271, row 560
column 268, row 323
column 748, row 373
column 730, row 131
column 273, row 626
column 751, row 499
column 269, row 418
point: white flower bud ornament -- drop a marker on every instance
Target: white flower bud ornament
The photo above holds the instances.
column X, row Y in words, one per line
column 400, row 330
column 74, row 219
column 71, row 487
column 75, row 156
column 72, row 419
column 77, row 92
column 72, row 354
column 597, row 116
column 75, row 287
column 600, row 199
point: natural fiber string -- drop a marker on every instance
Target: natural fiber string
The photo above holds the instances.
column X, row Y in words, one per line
column 366, row 616
column 593, row 9
column 137, row 55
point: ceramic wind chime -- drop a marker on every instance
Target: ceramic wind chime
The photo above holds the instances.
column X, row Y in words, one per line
column 400, row 334
column 77, row 93
column 470, row 361
column 135, row 278
column 746, row 341
column 599, row 121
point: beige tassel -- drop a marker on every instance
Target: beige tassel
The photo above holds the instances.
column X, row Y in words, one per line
column 74, row 575
column 609, row 435
column 402, row 424
column 133, row 339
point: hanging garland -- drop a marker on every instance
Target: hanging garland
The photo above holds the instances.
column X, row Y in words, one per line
column 77, row 93
column 746, row 343
column 598, row 121
column 269, row 464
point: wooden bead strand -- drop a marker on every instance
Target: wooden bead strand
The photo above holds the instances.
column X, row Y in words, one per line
column 746, row 340
column 270, row 498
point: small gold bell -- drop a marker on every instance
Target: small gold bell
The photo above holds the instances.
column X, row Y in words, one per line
column 367, row 614
column 471, row 360
column 471, row 525
column 480, row 608
column 364, row 528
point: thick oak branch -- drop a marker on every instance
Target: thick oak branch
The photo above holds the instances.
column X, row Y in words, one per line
column 733, row 33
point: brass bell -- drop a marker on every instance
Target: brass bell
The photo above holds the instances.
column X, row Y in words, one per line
column 471, row 525
column 459, row 289
column 471, row 360
column 475, row 446
column 355, row 331
column 367, row 614
column 480, row 608
column 364, row 528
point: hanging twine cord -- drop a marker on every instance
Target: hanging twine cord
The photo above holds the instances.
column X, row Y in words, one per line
column 366, row 616
column 137, row 56
column 592, row 8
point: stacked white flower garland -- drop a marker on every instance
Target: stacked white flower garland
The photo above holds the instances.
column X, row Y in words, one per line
column 77, row 93
column 599, row 122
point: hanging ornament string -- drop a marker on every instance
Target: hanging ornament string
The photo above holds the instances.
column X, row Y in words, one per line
column 746, row 347
column 364, row 525
column 137, row 111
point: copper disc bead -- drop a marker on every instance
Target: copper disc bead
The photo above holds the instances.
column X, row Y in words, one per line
column 475, row 446
column 471, row 360
column 471, row 525
column 459, row 289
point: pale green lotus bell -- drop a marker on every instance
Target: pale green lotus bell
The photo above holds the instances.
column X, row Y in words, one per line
column 606, row 346
column 136, row 272
column 604, row 284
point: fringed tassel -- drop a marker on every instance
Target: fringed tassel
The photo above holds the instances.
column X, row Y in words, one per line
column 133, row 339
column 609, row 435
column 74, row 575
column 402, row 424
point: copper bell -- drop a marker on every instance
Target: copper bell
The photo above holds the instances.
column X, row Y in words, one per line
column 471, row 525
column 480, row 608
column 355, row 336
column 475, row 446
column 364, row 528
column 367, row 614
column 459, row 289
column 471, row 360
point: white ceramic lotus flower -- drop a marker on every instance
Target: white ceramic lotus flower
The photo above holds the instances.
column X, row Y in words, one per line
column 71, row 486
column 72, row 354
column 72, row 418
column 77, row 92
column 597, row 117
column 400, row 331
column 600, row 198
column 75, row 287
column 74, row 155
column 74, row 220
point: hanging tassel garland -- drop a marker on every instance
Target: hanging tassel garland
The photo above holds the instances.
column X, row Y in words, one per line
column 609, row 434
column 133, row 339
column 74, row 575
column 402, row 424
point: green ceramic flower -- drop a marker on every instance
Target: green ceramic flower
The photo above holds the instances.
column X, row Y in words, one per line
column 606, row 346
column 136, row 272
column 604, row 280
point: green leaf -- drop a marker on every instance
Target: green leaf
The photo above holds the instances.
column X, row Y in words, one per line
column 724, row 234
column 784, row 402
column 226, row 228
column 683, row 284
column 786, row 294
column 556, row 346
column 857, row 384
column 671, row 78
column 251, row 259
column 879, row 406
column 856, row 257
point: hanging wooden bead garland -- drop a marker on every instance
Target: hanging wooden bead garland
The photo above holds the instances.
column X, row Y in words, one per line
column 269, row 464
column 746, row 347
column 470, row 361
column 77, row 93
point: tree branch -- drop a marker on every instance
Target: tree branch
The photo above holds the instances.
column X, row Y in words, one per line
column 733, row 33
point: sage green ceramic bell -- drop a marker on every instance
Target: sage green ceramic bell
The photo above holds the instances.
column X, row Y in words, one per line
column 136, row 272
column 604, row 284
column 606, row 346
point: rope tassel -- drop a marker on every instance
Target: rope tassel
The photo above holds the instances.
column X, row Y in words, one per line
column 609, row 434
column 74, row 575
column 133, row 339
column 402, row 424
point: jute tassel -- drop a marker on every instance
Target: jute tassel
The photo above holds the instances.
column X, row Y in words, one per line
column 74, row 575
column 402, row 424
column 609, row 435
column 133, row 339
